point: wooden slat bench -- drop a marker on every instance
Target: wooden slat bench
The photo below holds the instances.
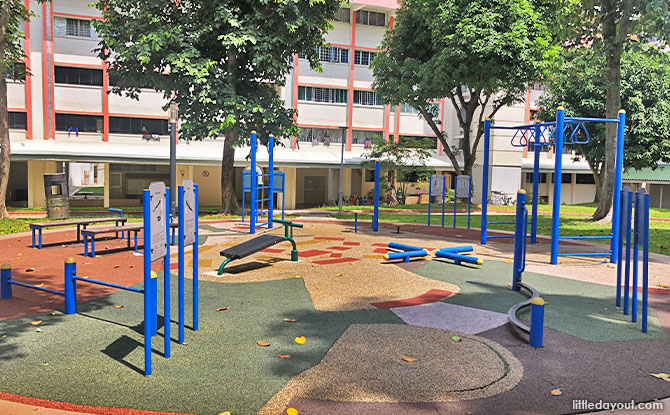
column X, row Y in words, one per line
column 79, row 222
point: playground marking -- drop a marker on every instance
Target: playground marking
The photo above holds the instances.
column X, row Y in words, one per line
column 336, row 255
column 339, row 248
column 328, row 238
column 373, row 256
column 382, row 245
column 429, row 297
column 334, row 261
column 451, row 317
column 313, row 252
column 380, row 251
column 351, row 243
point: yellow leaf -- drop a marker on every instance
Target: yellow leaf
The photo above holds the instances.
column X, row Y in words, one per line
column 284, row 356
column 339, row 275
column 39, row 285
column 36, row 322
column 289, row 320
column 45, row 364
column 664, row 376
column 300, row 340
column 222, row 308
column 298, row 276
column 408, row 359
column 455, row 338
column 119, row 306
column 508, row 260
column 262, row 343
column 54, row 313
column 557, row 392
column 291, row 411
column 660, row 284
column 226, row 413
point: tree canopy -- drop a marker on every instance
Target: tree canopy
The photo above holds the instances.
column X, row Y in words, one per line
column 480, row 54
column 222, row 61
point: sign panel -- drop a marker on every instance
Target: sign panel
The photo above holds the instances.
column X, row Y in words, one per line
column 189, row 212
column 437, row 185
column 158, row 214
column 462, row 185
column 246, row 182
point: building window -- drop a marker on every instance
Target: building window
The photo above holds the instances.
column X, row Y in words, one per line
column 369, row 175
column 543, row 178
column 538, row 86
column 329, row 95
column 585, row 179
column 131, row 125
column 332, row 54
column 78, row 76
column 18, row 120
column 566, row 178
column 342, row 15
column 408, row 109
column 74, row 27
column 367, row 98
column 363, row 57
column 365, row 17
column 16, row 72
column 321, row 135
column 364, row 136
column 77, row 122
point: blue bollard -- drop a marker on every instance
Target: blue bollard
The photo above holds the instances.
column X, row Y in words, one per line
column 375, row 212
column 395, row 245
column 196, row 258
column 405, row 255
column 70, row 286
column 5, row 286
column 458, row 258
column 457, row 249
column 536, row 321
column 519, row 239
column 180, row 250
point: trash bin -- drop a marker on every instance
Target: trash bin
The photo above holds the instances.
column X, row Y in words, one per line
column 56, row 192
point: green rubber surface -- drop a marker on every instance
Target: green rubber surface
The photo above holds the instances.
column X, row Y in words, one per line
column 581, row 309
column 96, row 357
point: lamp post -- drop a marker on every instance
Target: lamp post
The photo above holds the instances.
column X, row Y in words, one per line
column 339, row 193
column 174, row 114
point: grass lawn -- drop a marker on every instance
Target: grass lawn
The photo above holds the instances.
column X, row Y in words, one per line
column 659, row 241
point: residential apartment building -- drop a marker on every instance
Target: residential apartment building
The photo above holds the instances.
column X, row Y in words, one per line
column 62, row 117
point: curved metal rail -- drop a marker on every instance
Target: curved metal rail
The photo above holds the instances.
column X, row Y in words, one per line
column 516, row 307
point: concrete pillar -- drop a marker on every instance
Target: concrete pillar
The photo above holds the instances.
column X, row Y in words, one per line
column 346, row 182
column 36, row 170
column 290, row 183
column 105, row 188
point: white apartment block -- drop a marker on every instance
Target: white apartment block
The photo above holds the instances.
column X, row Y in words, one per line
column 63, row 118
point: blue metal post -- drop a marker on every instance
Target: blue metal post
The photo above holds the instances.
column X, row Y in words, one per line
column 637, row 235
column 536, row 184
column 444, row 190
column 166, row 283
column 536, row 322
column 430, row 196
column 147, row 284
column 444, row 196
column 5, row 276
column 619, row 267
column 519, row 239
column 645, row 264
column 469, row 200
column 70, row 286
column 626, row 293
column 485, row 179
column 618, row 171
column 558, row 170
column 283, row 194
column 244, row 191
column 181, row 265
column 271, row 167
column 196, row 258
column 254, row 185
column 375, row 218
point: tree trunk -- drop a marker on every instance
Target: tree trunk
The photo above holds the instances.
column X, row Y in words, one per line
column 613, row 104
column 4, row 116
column 229, row 204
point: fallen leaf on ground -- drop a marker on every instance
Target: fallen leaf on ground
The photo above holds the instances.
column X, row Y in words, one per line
column 557, row 392
column 664, row 376
column 660, row 284
column 36, row 322
column 289, row 320
column 300, row 340
column 117, row 266
column 87, row 263
column 297, row 276
column 38, row 330
column 339, row 275
column 408, row 359
column 222, row 308
column 284, row 356
column 54, row 313
column 45, row 364
column 262, row 343
column 226, row 413
column 119, row 306
column 509, row 285
column 291, row 411
column 132, row 266
column 455, row 338
column 30, row 269
column 508, row 260
column 610, row 266
column 39, row 285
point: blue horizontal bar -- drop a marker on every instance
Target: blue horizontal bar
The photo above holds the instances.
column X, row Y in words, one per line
column 263, row 187
column 587, row 254
column 46, row 290
column 499, row 236
column 586, row 119
column 585, row 237
column 109, row 284
column 524, row 127
column 263, row 200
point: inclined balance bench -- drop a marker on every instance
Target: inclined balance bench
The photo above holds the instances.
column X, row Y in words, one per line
column 90, row 234
column 79, row 222
column 259, row 243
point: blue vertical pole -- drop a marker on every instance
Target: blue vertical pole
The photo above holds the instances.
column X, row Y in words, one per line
column 626, row 293
column 147, row 284
column 244, row 190
column 619, row 267
column 166, row 283
column 618, row 171
column 536, row 185
column 485, row 179
column 645, row 264
column 444, row 196
column 271, row 167
column 455, row 199
column 196, row 258
column 430, row 196
column 636, row 254
column 558, row 171
column 375, row 218
column 536, row 322
column 5, row 276
column 469, row 199
column 519, row 239
column 70, row 286
column 283, row 194
column 254, row 185
column 181, row 265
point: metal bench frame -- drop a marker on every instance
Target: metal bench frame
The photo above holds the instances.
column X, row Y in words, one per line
column 83, row 222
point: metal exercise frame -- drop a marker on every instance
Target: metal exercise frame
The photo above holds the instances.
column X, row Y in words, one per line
column 565, row 130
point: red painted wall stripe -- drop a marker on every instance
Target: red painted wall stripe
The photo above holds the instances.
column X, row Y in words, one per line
column 53, row 74
column 45, row 84
column 105, row 102
column 29, row 82
column 350, row 100
column 295, row 96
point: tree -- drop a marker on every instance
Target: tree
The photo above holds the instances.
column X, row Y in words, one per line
column 12, row 14
column 480, row 54
column 407, row 159
column 582, row 88
column 221, row 61
column 614, row 22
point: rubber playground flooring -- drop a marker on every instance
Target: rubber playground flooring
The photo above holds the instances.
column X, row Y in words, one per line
column 352, row 360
